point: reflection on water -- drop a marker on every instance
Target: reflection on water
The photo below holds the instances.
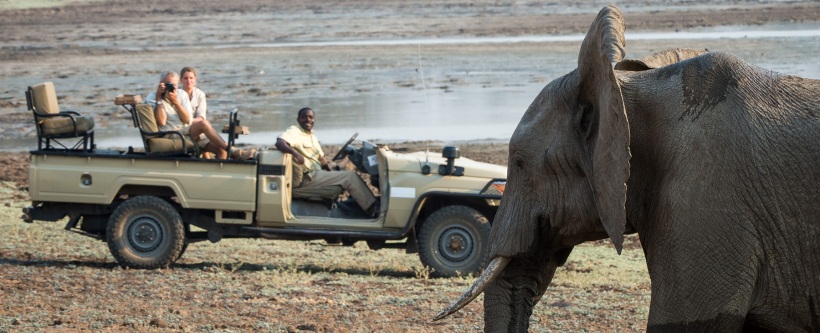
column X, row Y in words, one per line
column 468, row 111
column 400, row 115
column 421, row 115
column 731, row 34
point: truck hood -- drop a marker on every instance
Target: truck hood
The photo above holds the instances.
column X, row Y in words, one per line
column 413, row 162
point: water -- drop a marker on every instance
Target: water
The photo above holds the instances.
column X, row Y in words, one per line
column 643, row 36
column 469, row 114
column 466, row 111
column 475, row 113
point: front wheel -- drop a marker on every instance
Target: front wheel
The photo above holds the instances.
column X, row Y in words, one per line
column 145, row 232
column 454, row 240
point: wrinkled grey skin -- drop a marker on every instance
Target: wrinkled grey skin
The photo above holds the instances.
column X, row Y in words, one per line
column 715, row 163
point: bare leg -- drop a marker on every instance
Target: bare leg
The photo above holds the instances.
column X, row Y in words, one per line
column 206, row 154
column 220, row 153
column 217, row 144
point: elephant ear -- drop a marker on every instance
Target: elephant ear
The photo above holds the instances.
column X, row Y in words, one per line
column 607, row 142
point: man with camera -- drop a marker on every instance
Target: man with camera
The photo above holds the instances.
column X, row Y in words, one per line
column 173, row 112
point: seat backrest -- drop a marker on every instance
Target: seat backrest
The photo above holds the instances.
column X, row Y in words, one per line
column 44, row 98
column 165, row 143
column 147, row 123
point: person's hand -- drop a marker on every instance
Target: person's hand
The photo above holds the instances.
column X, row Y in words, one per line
column 299, row 158
column 172, row 97
column 324, row 163
column 160, row 90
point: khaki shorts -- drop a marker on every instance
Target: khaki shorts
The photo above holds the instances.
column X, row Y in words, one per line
column 202, row 141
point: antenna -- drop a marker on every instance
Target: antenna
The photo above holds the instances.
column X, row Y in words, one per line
column 425, row 169
column 421, row 74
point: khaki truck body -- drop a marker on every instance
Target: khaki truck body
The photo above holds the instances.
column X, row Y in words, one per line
column 148, row 209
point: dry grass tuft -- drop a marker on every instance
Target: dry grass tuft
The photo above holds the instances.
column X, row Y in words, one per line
column 63, row 281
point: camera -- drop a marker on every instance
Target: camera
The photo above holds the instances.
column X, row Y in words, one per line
column 169, row 87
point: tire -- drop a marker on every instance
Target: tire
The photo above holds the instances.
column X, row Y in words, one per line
column 181, row 251
column 187, row 230
column 145, row 232
column 453, row 241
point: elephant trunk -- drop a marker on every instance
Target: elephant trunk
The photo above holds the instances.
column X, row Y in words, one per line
column 508, row 304
column 510, row 299
column 493, row 270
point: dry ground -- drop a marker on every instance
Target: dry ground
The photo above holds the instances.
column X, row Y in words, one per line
column 52, row 280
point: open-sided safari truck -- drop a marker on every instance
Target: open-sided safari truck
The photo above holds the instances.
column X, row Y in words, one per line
column 145, row 202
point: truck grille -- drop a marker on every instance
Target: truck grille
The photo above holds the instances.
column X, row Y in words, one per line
column 275, row 170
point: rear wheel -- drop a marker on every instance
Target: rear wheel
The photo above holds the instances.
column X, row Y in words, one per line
column 145, row 232
column 454, row 240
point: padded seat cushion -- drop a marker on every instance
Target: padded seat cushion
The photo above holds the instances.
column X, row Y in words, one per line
column 44, row 98
column 64, row 125
column 146, row 113
column 171, row 144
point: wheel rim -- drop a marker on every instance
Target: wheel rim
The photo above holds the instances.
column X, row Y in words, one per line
column 455, row 245
column 145, row 234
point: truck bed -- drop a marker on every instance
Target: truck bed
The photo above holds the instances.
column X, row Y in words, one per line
column 98, row 177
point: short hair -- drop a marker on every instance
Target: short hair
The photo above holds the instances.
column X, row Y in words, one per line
column 303, row 110
column 166, row 74
column 187, row 69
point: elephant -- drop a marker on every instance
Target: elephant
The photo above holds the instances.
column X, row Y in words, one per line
column 712, row 161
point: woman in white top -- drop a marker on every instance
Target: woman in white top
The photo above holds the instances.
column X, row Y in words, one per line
column 187, row 77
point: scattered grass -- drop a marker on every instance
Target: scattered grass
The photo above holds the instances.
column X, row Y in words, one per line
column 64, row 281
column 423, row 273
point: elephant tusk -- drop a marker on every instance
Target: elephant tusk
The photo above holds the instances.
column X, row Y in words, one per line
column 493, row 270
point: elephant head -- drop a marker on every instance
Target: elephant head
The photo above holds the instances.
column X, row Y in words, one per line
column 720, row 157
column 568, row 168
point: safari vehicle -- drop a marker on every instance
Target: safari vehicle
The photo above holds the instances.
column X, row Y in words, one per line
column 148, row 207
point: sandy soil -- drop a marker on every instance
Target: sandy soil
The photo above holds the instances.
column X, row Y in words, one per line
column 98, row 50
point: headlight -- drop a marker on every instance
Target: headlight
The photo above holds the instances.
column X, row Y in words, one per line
column 495, row 187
